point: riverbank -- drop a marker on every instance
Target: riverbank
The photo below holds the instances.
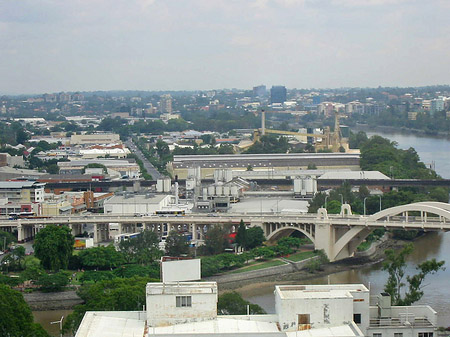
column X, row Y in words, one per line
column 249, row 288
column 64, row 300
column 402, row 130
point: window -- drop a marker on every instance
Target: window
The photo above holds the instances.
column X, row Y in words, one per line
column 357, row 319
column 398, row 334
column 425, row 334
column 304, row 322
column 184, row 301
column 377, row 334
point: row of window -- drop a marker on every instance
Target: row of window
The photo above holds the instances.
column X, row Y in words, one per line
column 400, row 334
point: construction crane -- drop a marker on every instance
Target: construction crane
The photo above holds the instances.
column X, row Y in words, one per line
column 333, row 141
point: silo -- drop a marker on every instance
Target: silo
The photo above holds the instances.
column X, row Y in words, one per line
column 167, row 184
column 234, row 191
column 211, row 190
column 226, row 190
column 219, row 190
column 159, row 185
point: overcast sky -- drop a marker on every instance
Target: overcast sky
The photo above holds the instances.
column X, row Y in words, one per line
column 69, row 45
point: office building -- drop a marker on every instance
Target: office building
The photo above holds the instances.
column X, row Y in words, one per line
column 278, row 94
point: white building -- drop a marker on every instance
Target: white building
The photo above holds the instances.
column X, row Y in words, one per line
column 190, row 309
column 96, row 138
column 136, row 203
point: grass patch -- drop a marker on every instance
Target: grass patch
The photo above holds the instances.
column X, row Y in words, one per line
column 364, row 246
column 300, row 256
column 257, row 266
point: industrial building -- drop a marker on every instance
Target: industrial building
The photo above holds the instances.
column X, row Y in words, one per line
column 190, row 309
column 96, row 138
column 128, row 203
column 261, row 162
column 115, row 168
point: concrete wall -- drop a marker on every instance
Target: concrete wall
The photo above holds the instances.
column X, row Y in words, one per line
column 162, row 309
column 324, row 312
column 254, row 274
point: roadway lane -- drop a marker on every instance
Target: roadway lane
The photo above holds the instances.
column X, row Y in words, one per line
column 148, row 166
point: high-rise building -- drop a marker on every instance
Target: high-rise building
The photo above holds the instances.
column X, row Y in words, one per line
column 166, row 104
column 259, row 91
column 278, row 94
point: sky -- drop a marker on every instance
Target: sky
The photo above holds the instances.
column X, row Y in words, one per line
column 86, row 45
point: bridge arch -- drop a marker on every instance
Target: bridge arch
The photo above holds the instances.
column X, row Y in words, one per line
column 278, row 233
column 438, row 208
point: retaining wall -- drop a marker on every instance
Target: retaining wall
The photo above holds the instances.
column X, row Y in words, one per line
column 254, row 274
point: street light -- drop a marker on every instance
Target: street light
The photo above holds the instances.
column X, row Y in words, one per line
column 342, row 199
column 60, row 324
column 365, row 206
column 326, row 197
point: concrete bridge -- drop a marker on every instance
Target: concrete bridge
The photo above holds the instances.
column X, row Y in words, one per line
column 338, row 235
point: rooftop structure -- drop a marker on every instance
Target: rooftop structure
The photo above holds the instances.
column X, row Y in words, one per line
column 190, row 309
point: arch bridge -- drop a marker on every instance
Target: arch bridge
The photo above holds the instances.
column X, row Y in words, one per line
column 338, row 235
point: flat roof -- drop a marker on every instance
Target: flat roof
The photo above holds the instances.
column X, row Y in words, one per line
column 354, row 175
column 20, row 184
column 318, row 291
column 134, row 199
column 158, row 288
column 221, row 325
column 112, row 324
column 266, row 160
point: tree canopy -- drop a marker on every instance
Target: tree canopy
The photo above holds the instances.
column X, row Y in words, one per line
column 143, row 249
column 53, row 245
column 16, row 319
column 176, row 244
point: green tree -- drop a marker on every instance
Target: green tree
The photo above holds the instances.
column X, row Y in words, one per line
column 101, row 257
column 6, row 238
column 232, row 303
column 53, row 245
column 143, row 249
column 53, row 282
column 215, row 240
column 16, row 319
column 241, row 235
column 395, row 265
column 176, row 244
column 109, row 295
column 255, row 237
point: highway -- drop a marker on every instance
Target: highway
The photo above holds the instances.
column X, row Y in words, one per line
column 148, row 166
column 431, row 223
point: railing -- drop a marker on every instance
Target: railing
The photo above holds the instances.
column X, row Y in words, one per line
column 396, row 321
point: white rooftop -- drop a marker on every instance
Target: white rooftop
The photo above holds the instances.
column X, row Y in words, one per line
column 112, row 324
column 354, row 175
column 337, row 331
column 318, row 291
column 221, row 325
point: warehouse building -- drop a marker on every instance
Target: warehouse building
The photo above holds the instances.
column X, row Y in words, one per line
column 276, row 161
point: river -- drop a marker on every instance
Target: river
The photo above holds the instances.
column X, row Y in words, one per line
column 433, row 245
column 431, row 150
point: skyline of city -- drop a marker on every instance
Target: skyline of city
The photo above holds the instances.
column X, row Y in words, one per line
column 51, row 46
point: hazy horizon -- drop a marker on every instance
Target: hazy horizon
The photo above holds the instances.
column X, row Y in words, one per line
column 176, row 45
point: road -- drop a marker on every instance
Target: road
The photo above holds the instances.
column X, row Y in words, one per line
column 147, row 165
